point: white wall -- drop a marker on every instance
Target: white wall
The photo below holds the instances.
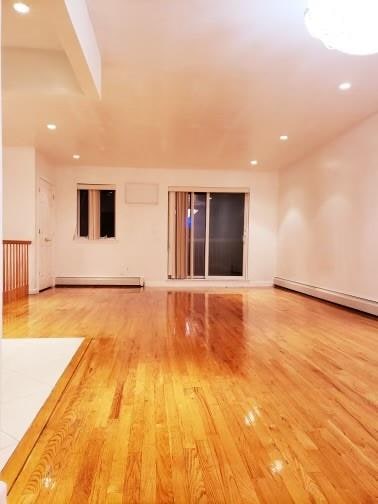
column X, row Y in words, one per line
column 22, row 167
column 141, row 245
column 45, row 168
column 19, row 182
column 1, row 193
column 328, row 216
column 19, row 193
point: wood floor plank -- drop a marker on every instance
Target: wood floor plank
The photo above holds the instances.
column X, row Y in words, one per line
column 230, row 396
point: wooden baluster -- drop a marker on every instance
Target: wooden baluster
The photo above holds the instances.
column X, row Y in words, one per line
column 8, row 271
column 12, row 272
column 5, row 273
column 27, row 270
column 15, row 269
column 22, row 271
column 14, row 292
column 19, row 270
column 25, row 273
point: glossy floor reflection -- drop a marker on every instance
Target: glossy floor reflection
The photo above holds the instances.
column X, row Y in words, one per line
column 227, row 396
column 29, row 370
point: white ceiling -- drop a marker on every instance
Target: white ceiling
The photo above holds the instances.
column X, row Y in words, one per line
column 199, row 84
column 34, row 31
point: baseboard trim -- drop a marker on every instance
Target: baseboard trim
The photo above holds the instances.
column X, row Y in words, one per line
column 99, row 281
column 357, row 303
column 172, row 284
column 203, row 284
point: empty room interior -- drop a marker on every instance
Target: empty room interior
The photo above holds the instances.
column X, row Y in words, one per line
column 189, row 266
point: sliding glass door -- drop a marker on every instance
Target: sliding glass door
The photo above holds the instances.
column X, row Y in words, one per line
column 207, row 233
column 226, row 234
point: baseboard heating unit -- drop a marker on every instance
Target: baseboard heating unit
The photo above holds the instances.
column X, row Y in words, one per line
column 365, row 305
column 99, row 282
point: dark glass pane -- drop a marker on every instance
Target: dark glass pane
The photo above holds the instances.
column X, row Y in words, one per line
column 83, row 202
column 199, row 234
column 226, row 230
column 107, row 214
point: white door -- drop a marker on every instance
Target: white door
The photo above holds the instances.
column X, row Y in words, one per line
column 46, row 234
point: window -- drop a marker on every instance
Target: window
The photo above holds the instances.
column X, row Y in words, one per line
column 96, row 212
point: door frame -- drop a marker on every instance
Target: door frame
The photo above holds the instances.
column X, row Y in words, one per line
column 208, row 191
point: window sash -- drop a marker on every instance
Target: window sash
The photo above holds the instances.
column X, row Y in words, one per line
column 94, row 211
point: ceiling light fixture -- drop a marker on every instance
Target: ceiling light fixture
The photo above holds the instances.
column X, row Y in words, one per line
column 345, row 86
column 21, row 8
column 51, row 127
column 347, row 26
column 254, row 162
column 76, row 156
column 284, row 138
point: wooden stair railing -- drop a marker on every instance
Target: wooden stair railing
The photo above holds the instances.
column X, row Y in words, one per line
column 15, row 269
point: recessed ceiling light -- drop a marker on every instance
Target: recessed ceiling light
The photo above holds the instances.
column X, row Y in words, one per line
column 76, row 156
column 284, row 138
column 344, row 86
column 254, row 162
column 51, row 126
column 21, row 8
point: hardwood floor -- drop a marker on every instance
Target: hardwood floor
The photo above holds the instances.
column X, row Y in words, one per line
column 237, row 396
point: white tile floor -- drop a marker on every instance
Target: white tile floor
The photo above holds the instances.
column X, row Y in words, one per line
column 29, row 370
